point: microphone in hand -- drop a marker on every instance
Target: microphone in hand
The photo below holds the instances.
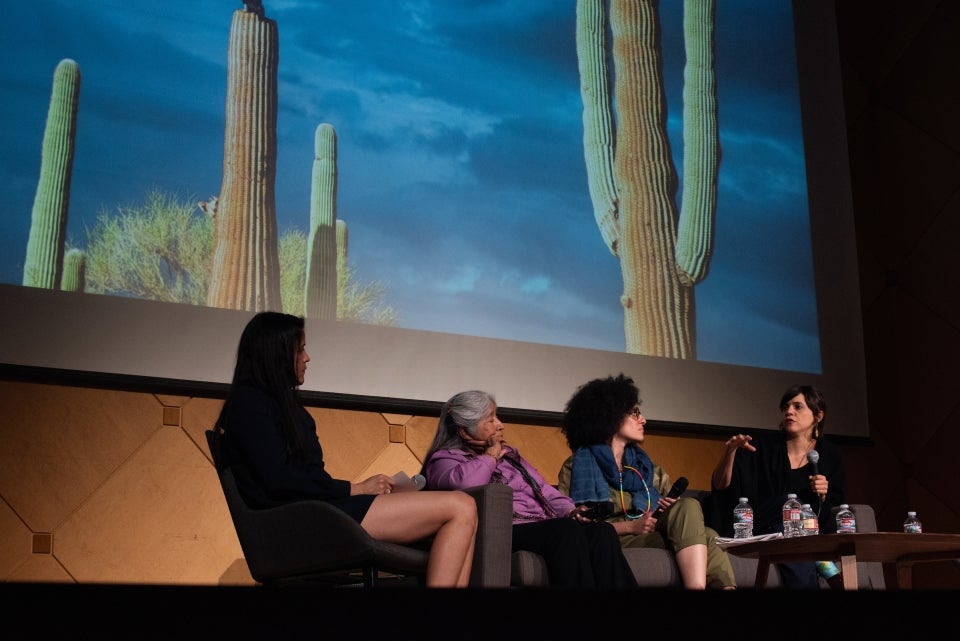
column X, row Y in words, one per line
column 419, row 480
column 813, row 457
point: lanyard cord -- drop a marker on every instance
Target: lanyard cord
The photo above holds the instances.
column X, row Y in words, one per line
column 635, row 514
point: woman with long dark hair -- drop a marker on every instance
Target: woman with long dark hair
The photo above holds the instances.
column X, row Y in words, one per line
column 270, row 441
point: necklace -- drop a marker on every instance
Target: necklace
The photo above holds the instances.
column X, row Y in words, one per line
column 799, row 460
column 634, row 513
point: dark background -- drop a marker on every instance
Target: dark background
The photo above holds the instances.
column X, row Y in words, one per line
column 902, row 97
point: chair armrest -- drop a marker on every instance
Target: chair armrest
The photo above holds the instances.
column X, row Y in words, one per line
column 491, row 559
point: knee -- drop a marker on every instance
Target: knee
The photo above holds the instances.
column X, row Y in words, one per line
column 465, row 506
column 689, row 506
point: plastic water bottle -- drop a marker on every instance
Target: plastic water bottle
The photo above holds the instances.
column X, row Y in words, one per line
column 791, row 517
column 912, row 525
column 846, row 520
column 742, row 519
column 808, row 519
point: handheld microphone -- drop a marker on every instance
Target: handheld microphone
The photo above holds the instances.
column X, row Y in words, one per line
column 420, row 481
column 814, row 457
column 679, row 487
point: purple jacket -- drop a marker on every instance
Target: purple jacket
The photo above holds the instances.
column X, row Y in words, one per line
column 459, row 470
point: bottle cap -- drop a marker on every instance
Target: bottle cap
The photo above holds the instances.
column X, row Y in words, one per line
column 743, row 498
column 911, row 513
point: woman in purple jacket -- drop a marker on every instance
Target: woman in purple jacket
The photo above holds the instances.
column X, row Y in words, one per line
column 468, row 450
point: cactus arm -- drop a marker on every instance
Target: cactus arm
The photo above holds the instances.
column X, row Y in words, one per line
column 701, row 147
column 597, row 118
column 343, row 237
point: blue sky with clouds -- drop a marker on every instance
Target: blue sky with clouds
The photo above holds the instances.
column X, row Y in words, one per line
column 460, row 157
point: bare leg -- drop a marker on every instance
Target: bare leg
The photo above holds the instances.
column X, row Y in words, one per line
column 692, row 562
column 450, row 517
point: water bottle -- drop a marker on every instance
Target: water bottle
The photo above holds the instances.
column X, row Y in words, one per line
column 846, row 520
column 808, row 521
column 912, row 525
column 791, row 517
column 742, row 519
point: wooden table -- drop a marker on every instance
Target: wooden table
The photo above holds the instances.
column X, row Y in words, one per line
column 898, row 548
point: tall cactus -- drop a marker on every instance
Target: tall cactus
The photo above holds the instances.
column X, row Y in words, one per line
column 631, row 175
column 320, row 289
column 74, row 271
column 48, row 226
column 245, row 273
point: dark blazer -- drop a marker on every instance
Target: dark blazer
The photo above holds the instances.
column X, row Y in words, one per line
column 256, row 451
column 765, row 478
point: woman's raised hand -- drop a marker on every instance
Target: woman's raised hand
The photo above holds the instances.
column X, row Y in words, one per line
column 740, row 440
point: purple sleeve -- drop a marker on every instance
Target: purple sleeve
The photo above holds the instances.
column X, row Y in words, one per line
column 454, row 470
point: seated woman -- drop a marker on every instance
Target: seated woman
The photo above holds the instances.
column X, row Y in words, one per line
column 271, row 442
column 469, row 450
column 604, row 428
column 765, row 468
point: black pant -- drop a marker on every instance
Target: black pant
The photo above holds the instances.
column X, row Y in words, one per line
column 801, row 575
column 578, row 555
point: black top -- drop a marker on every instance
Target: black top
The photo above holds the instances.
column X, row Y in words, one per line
column 266, row 476
column 765, row 478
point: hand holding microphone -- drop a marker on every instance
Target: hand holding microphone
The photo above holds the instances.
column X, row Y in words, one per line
column 813, row 457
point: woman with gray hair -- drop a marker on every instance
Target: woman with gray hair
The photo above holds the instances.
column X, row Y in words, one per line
column 469, row 450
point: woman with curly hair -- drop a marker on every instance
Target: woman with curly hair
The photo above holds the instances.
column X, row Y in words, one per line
column 605, row 431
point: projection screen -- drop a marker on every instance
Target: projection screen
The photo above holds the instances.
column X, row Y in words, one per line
column 455, row 196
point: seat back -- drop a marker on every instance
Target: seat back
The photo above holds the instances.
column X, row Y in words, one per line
column 869, row 574
column 308, row 541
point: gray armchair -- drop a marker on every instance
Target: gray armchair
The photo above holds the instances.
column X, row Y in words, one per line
column 313, row 542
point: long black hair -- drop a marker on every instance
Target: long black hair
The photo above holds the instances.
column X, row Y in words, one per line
column 266, row 359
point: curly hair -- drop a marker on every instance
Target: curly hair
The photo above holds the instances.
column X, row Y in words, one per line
column 594, row 412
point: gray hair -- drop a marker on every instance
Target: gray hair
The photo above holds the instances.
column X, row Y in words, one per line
column 466, row 410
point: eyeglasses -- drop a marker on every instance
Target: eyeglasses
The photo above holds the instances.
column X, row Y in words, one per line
column 635, row 413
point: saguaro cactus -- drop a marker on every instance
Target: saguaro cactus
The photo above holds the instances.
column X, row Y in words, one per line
column 74, row 271
column 48, row 226
column 320, row 288
column 245, row 273
column 343, row 238
column 631, row 175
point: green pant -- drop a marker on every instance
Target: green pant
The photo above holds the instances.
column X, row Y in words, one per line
column 681, row 526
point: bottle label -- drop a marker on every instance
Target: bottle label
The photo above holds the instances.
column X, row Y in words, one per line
column 743, row 517
column 912, row 528
column 846, row 525
column 791, row 513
